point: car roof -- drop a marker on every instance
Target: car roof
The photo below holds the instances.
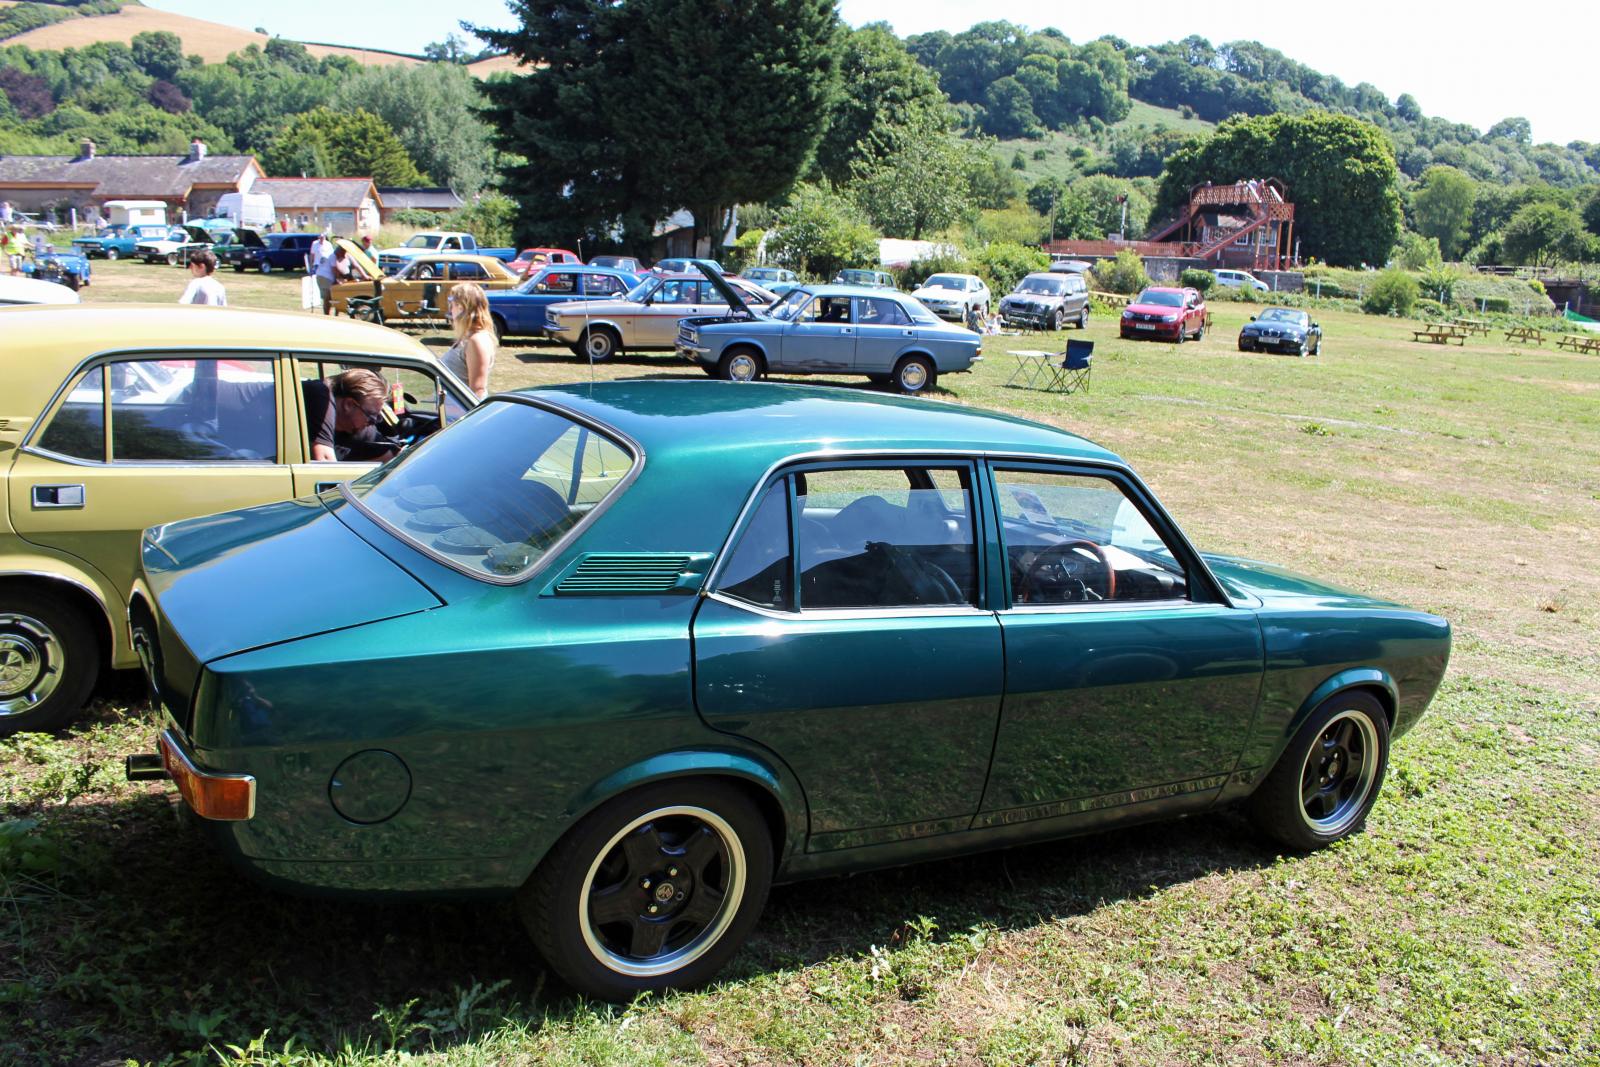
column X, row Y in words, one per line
column 840, row 289
column 44, row 342
column 753, row 425
column 583, row 268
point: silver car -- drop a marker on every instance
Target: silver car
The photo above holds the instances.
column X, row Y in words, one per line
column 646, row 317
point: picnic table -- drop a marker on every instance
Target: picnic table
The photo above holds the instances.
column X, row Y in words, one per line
column 1477, row 326
column 1033, row 365
column 1441, row 333
column 1525, row 334
column 1579, row 344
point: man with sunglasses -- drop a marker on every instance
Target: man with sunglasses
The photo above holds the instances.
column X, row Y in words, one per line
column 343, row 414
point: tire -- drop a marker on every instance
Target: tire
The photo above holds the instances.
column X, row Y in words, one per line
column 1083, row 318
column 740, row 365
column 238, row 268
column 48, row 654
column 914, row 375
column 266, row 266
column 499, row 329
column 112, row 254
column 172, row 259
column 1200, row 334
column 1056, row 321
column 600, row 344
column 1301, row 350
column 1183, row 335
column 1347, row 735
column 620, row 859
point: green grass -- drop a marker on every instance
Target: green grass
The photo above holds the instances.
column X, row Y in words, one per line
column 1058, row 145
column 1462, row 927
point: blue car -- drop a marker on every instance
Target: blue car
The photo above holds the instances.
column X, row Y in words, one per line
column 520, row 312
column 829, row 329
column 70, row 269
column 277, row 251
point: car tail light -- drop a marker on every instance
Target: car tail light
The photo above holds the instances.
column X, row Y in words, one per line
column 224, row 797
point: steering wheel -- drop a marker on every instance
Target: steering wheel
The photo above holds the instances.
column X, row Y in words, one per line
column 1059, row 566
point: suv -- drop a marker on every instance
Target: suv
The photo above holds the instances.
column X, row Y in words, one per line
column 1047, row 300
column 960, row 297
column 1240, row 279
column 114, row 419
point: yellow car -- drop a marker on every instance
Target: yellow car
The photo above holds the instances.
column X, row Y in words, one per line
column 419, row 290
column 115, row 418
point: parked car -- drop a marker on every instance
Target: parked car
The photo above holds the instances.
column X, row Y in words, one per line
column 195, row 419
column 957, row 297
column 277, row 251
column 16, row 290
column 1069, row 266
column 421, row 288
column 1281, row 330
column 830, row 329
column 1240, row 279
column 1165, row 313
column 623, row 263
column 522, row 312
column 63, row 268
column 772, row 279
column 644, row 319
column 421, row 244
column 816, row 632
column 876, row 279
column 230, row 250
column 530, row 259
column 686, row 266
column 173, row 247
column 118, row 240
column 1047, row 300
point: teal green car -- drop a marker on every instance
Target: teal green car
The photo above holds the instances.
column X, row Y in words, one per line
column 632, row 652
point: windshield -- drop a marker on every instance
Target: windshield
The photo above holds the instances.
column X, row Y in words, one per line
column 1298, row 318
column 1161, row 298
column 945, row 281
column 1042, row 286
column 497, row 492
column 787, row 308
column 641, row 292
column 421, row 240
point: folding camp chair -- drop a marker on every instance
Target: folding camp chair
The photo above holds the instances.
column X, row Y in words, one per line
column 1071, row 372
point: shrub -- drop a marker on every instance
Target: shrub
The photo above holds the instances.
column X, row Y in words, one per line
column 743, row 252
column 1124, row 275
column 415, row 216
column 1039, row 154
column 1497, row 304
column 1202, row 280
column 488, row 218
column 1439, row 282
column 1003, row 264
column 1429, row 309
column 1416, row 252
column 1394, row 292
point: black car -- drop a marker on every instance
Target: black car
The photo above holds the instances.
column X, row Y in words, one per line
column 1281, row 330
column 1047, row 300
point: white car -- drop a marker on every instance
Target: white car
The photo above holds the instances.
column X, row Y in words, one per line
column 19, row 290
column 171, row 248
column 1240, row 279
column 954, row 296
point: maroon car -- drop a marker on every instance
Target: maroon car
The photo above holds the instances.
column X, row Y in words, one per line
column 1170, row 314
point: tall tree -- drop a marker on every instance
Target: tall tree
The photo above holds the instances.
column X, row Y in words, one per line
column 1442, row 205
column 433, row 109
column 890, row 96
column 1543, row 235
column 918, row 190
column 324, row 143
column 739, row 93
column 1340, row 171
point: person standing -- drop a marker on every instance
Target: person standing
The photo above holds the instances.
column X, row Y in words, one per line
column 472, row 356
column 16, row 248
column 203, row 288
column 320, row 264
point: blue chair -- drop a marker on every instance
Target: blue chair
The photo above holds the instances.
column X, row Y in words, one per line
column 1071, row 372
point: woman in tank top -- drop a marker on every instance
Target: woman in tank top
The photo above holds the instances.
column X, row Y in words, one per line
column 472, row 356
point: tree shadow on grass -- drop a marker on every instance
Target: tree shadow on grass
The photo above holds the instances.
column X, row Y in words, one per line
column 148, row 943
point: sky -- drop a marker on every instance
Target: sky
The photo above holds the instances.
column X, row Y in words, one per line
column 1468, row 63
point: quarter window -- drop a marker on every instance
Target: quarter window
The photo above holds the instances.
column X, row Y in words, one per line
column 79, row 427
column 759, row 569
column 877, row 311
column 1074, row 538
column 212, row 410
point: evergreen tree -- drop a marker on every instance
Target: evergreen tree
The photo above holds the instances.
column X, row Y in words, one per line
column 323, row 143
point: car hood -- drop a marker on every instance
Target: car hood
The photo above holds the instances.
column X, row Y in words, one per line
column 1281, row 327
column 243, row 580
column 938, row 292
column 1277, row 586
column 729, row 293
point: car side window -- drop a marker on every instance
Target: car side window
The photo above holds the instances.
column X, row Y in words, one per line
column 221, row 409
column 560, row 283
column 78, row 428
column 885, row 537
column 827, row 309
column 601, row 285
column 710, row 295
column 468, row 272
column 1078, row 538
column 675, row 291
column 758, row 571
column 878, row 311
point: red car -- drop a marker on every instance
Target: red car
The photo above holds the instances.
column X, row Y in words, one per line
column 1170, row 314
column 532, row 258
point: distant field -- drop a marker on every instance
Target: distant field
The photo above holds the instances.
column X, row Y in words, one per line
column 1058, row 145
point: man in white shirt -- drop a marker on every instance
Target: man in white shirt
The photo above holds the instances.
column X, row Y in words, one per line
column 319, row 262
column 203, row 288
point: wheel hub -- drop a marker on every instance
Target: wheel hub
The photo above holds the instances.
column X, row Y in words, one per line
column 30, row 663
column 20, row 664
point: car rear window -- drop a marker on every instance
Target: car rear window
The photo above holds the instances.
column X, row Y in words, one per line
column 497, row 492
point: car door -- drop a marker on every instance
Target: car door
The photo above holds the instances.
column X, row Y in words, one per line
column 822, row 337
column 146, row 438
column 882, row 329
column 1127, row 676
column 845, row 633
column 655, row 325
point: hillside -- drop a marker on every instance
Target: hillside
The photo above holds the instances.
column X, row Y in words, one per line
column 1067, row 153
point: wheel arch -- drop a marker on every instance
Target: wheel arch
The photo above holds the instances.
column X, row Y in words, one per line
column 78, row 591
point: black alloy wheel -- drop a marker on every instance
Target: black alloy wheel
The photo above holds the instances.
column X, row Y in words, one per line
column 1328, row 777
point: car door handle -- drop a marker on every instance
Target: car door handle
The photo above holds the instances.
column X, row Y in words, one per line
column 846, row 329
column 323, row 487
column 908, row 333
column 58, row 496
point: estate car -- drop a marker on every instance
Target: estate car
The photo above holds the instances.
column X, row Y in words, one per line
column 631, row 652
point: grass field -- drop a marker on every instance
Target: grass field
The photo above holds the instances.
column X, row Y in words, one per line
column 1058, row 145
column 1462, row 927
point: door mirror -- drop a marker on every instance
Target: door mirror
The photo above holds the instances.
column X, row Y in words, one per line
column 1253, row 318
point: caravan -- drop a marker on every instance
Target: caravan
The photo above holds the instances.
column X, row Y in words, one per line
column 130, row 213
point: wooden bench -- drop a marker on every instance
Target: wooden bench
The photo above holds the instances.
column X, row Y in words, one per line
column 1579, row 344
column 1440, row 333
column 1525, row 334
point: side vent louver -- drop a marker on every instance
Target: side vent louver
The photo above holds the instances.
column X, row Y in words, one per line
column 639, row 573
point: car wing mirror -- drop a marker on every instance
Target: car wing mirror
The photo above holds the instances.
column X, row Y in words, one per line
column 1253, row 318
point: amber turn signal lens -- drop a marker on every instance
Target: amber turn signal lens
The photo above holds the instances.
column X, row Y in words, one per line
column 224, row 797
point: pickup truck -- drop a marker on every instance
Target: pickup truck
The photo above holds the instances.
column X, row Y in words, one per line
column 390, row 260
column 117, row 240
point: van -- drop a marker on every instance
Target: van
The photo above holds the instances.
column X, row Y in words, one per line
column 247, row 209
